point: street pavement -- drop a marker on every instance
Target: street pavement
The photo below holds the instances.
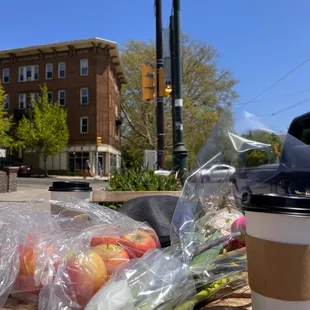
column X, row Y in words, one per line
column 30, row 188
column 47, row 182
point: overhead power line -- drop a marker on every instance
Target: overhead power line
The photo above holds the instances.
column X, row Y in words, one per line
column 277, row 97
column 276, row 82
column 289, row 107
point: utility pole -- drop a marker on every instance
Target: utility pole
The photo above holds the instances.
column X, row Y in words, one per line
column 172, row 83
column 180, row 153
column 160, row 111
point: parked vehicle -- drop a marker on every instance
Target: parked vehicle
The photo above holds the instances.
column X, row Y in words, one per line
column 23, row 171
column 214, row 173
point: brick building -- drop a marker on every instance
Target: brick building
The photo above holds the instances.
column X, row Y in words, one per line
column 85, row 77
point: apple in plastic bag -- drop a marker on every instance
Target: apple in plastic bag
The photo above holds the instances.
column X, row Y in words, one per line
column 28, row 254
column 97, row 240
column 113, row 255
column 87, row 273
column 138, row 243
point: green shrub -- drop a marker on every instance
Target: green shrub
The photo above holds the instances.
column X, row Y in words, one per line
column 140, row 179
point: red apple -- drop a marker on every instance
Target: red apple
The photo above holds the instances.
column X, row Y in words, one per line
column 113, row 255
column 138, row 243
column 87, row 273
column 97, row 240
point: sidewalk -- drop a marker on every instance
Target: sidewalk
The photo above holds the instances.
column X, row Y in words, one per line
column 23, row 194
column 65, row 177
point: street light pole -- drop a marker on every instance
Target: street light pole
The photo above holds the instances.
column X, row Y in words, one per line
column 160, row 112
column 171, row 39
column 180, row 153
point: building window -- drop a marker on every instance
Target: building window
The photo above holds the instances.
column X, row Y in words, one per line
column 6, row 103
column 22, row 101
column 35, row 96
column 6, row 75
column 29, row 73
column 84, row 96
column 84, row 125
column 62, row 97
column 49, row 71
column 50, row 96
column 62, row 70
column 84, row 67
column 77, row 160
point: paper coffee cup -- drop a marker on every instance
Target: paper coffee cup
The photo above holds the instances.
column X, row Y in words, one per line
column 278, row 239
column 77, row 190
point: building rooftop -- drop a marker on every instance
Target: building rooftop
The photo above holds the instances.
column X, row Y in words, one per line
column 63, row 46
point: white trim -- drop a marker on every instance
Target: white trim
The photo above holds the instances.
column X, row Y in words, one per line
column 3, row 75
column 81, row 96
column 65, row 97
column 81, row 66
column 46, row 71
column 65, row 69
column 81, row 122
column 178, row 102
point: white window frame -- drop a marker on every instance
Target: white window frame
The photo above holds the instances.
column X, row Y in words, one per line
column 82, row 67
column 24, row 96
column 3, row 75
column 81, row 125
column 59, row 92
column 65, row 70
column 46, row 71
column 6, row 101
column 52, row 95
column 81, row 96
column 22, row 71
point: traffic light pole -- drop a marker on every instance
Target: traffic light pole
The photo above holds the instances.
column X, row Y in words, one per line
column 180, row 153
column 160, row 112
column 171, row 39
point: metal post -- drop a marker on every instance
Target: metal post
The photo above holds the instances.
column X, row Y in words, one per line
column 97, row 163
column 172, row 83
column 160, row 111
column 180, row 152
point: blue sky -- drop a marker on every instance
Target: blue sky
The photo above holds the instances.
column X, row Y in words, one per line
column 259, row 41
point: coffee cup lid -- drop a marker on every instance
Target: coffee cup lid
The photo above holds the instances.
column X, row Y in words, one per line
column 70, row 186
column 297, row 205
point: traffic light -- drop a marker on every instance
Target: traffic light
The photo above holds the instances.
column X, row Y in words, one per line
column 98, row 140
column 147, row 82
column 168, row 89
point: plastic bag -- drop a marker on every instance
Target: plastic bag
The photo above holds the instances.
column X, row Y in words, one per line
column 207, row 210
column 42, row 246
column 156, row 281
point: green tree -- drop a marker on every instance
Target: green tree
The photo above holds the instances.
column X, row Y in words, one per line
column 207, row 91
column 254, row 158
column 45, row 129
column 5, row 123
